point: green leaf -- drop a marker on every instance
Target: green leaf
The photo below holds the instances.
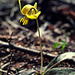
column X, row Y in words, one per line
column 63, row 41
column 63, row 47
column 55, row 45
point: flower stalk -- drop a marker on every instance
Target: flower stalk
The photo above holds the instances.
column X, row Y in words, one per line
column 40, row 46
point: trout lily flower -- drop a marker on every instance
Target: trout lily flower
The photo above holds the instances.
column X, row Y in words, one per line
column 29, row 12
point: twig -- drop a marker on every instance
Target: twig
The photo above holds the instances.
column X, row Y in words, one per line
column 3, row 58
column 9, row 41
column 5, row 65
column 14, row 46
column 8, row 37
column 4, row 71
column 16, row 26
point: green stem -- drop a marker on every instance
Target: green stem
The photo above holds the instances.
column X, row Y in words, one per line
column 40, row 46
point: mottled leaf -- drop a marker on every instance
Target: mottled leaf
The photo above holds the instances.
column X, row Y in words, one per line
column 61, row 71
column 27, row 72
column 62, row 57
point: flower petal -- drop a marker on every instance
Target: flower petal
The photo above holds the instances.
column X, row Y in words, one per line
column 37, row 14
column 35, row 5
column 34, row 16
column 26, row 8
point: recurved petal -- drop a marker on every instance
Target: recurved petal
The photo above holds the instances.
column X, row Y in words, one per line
column 35, row 5
column 26, row 8
column 37, row 14
column 34, row 16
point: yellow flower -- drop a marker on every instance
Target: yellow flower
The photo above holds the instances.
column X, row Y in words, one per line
column 29, row 12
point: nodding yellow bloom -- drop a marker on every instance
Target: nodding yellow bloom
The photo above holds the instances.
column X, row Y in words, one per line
column 29, row 12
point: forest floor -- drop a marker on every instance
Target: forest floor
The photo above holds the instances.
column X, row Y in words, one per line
column 20, row 46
